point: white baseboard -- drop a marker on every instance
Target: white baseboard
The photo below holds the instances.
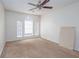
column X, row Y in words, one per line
column 24, row 38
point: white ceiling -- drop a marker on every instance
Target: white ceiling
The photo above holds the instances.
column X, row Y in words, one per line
column 22, row 5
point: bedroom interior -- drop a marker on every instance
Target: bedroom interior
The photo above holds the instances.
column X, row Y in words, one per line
column 39, row 29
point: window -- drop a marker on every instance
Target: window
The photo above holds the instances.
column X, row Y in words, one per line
column 28, row 27
column 19, row 29
column 25, row 27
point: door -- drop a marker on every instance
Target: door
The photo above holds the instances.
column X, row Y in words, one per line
column 67, row 37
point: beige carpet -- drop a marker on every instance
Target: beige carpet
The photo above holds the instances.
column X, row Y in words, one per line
column 36, row 48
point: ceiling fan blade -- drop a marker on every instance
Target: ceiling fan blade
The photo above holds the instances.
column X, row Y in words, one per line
column 39, row 1
column 49, row 7
column 43, row 3
column 32, row 4
column 33, row 8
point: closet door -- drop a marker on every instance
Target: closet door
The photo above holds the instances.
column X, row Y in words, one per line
column 67, row 37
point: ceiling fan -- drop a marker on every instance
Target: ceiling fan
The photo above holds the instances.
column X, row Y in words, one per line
column 41, row 5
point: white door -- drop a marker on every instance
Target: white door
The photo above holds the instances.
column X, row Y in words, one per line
column 67, row 37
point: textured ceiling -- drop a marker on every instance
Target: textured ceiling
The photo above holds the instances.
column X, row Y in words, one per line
column 22, row 5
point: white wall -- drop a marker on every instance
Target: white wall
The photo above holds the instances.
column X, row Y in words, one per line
column 2, row 30
column 52, row 22
column 11, row 18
